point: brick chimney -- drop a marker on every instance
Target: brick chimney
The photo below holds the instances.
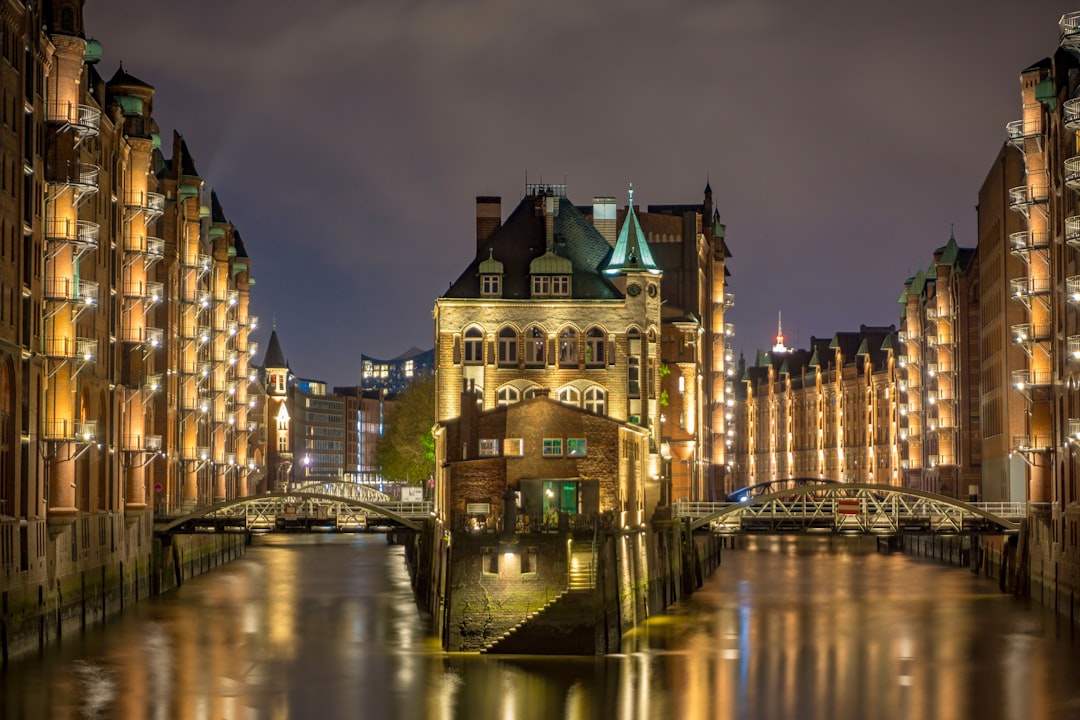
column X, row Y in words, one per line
column 603, row 218
column 488, row 217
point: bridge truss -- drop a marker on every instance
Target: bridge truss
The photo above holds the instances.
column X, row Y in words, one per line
column 298, row 510
column 856, row 508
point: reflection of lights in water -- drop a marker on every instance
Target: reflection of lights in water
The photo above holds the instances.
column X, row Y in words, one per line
column 159, row 662
column 98, row 688
column 442, row 700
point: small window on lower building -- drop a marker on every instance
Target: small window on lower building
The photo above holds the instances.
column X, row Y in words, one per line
column 576, row 447
column 528, row 561
column 552, row 447
column 489, row 447
column 513, row 447
column 489, row 561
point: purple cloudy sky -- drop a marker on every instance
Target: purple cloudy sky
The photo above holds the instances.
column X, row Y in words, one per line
column 347, row 139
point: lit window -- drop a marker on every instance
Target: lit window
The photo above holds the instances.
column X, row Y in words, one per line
column 534, row 346
column 474, row 346
column 507, row 395
column 595, row 344
column 514, row 447
column 576, row 447
column 491, row 285
column 595, row 400
column 508, row 342
column 552, row 447
column 489, row 447
column 568, row 348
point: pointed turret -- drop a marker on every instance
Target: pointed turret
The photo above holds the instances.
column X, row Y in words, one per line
column 631, row 253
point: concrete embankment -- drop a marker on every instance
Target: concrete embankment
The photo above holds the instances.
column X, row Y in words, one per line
column 63, row 596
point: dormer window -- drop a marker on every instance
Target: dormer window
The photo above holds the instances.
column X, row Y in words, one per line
column 491, row 285
column 491, row 275
column 550, row 286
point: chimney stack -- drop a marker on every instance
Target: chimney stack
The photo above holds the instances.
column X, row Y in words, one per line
column 603, row 218
column 488, row 218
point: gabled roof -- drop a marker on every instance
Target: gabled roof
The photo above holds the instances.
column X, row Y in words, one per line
column 122, row 77
column 522, row 238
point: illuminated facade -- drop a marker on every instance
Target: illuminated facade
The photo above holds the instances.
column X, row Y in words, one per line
column 937, row 380
column 123, row 318
column 394, row 375
column 829, row 412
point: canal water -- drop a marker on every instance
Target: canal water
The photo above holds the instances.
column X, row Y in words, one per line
column 324, row 626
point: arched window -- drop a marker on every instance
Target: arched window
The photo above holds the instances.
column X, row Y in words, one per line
column 508, row 345
column 535, row 340
column 508, row 395
column 533, row 392
column 474, row 346
column 596, row 400
column 595, row 346
column 570, row 396
column 568, row 348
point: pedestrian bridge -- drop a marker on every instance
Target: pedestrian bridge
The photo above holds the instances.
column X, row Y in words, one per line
column 852, row 508
column 314, row 506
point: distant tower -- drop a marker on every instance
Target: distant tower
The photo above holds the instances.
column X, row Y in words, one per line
column 779, row 347
column 278, row 448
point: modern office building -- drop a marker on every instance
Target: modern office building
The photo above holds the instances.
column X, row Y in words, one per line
column 394, row 375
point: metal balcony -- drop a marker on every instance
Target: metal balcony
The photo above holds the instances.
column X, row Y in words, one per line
column 1025, row 287
column 151, row 337
column 1020, row 131
column 253, row 348
column 1072, row 173
column 1072, row 288
column 150, row 291
column 80, row 178
column 1022, row 198
column 1032, row 443
column 1072, row 347
column 142, row 443
column 66, row 429
column 1074, row 428
column 1072, row 231
column 1024, row 379
column 1070, row 114
column 81, row 235
column 84, row 120
column 195, row 454
column 729, row 299
column 148, row 204
column 70, row 348
column 1022, row 244
column 71, row 290
column 1024, row 333
column 1069, row 32
column 150, row 249
column 196, row 261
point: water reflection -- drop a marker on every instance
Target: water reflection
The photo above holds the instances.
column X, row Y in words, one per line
column 325, row 627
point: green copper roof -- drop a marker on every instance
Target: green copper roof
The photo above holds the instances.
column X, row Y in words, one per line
column 919, row 283
column 92, row 53
column 491, row 266
column 950, row 252
column 130, row 105
column 631, row 249
column 550, row 264
column 864, row 349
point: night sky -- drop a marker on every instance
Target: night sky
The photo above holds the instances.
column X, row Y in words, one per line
column 348, row 139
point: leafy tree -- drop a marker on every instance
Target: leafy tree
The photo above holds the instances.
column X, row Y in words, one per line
column 406, row 450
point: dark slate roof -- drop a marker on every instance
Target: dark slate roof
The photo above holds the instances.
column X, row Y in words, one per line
column 241, row 251
column 522, row 238
column 122, row 77
column 274, row 357
column 187, row 166
column 217, row 213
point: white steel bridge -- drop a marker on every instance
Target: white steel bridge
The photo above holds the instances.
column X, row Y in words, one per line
column 321, row 505
column 855, row 508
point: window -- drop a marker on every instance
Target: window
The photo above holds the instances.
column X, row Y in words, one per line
column 633, row 377
column 514, row 447
column 570, row 396
column 551, row 286
column 491, row 285
column 507, row 395
column 552, row 447
column 534, row 346
column 576, row 447
column 508, row 342
column 595, row 400
column 568, row 348
column 595, row 343
column 489, row 447
column 560, row 286
column 474, row 346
